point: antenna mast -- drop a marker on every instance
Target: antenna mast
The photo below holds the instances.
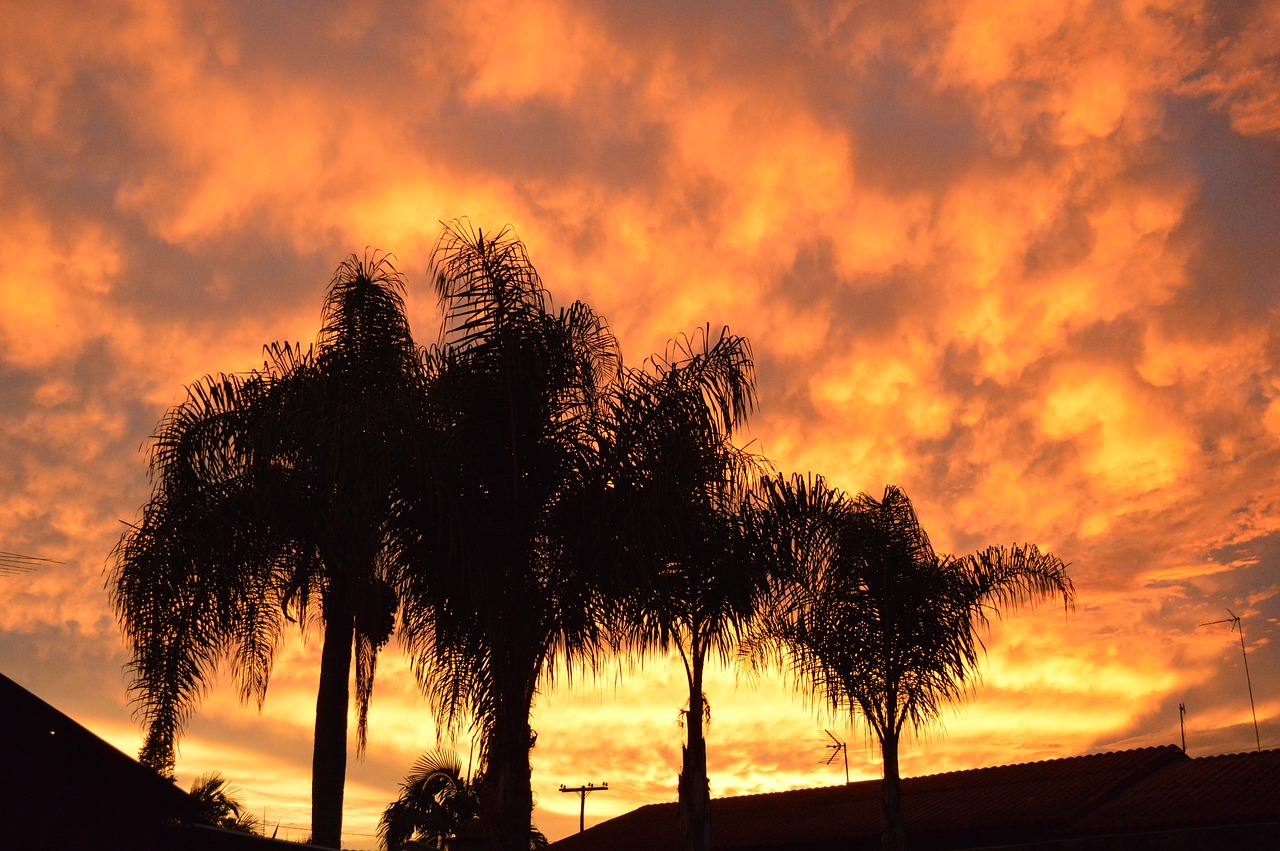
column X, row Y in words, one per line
column 12, row 564
column 1237, row 625
column 837, row 748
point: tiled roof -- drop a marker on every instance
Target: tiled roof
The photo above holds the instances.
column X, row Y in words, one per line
column 1033, row 798
column 1235, row 789
column 1111, row 793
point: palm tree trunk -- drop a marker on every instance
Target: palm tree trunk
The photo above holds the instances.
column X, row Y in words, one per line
column 506, row 793
column 329, row 757
column 694, row 806
column 892, row 831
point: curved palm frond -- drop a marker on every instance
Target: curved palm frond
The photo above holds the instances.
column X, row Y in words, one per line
column 877, row 622
column 436, row 803
column 269, row 503
column 219, row 806
column 499, row 503
column 191, row 581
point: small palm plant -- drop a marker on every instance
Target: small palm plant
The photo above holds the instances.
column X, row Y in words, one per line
column 438, row 805
column 219, row 806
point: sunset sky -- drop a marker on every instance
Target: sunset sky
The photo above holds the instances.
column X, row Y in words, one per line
column 1020, row 258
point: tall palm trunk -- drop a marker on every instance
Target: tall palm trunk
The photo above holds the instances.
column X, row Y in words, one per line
column 506, row 793
column 694, row 816
column 892, row 831
column 329, row 757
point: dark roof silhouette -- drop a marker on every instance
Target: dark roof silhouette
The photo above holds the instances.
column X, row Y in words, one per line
column 62, row 787
column 1147, row 798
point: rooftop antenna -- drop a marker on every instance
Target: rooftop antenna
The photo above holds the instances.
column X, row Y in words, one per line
column 837, row 748
column 12, row 564
column 1236, row 624
column 582, row 792
column 1182, row 722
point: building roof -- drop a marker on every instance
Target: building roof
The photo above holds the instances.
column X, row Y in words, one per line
column 64, row 787
column 1236, row 789
column 1147, row 789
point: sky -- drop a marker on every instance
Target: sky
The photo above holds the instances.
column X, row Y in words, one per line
column 1020, row 259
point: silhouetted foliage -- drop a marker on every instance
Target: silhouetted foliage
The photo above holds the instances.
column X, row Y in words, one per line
column 438, row 805
column 269, row 497
column 501, row 510
column 543, row 472
column 219, row 806
column 875, row 621
column 699, row 583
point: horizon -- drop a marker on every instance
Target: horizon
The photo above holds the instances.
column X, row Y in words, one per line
column 1021, row 262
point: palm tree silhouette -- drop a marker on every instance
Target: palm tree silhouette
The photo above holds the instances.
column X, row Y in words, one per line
column 674, row 424
column 879, row 623
column 502, row 507
column 219, row 806
column 270, row 494
column 438, row 805
column 543, row 470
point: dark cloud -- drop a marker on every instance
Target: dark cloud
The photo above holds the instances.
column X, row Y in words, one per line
column 1230, row 229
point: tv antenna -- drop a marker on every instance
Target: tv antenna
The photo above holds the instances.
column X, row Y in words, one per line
column 12, row 564
column 837, row 748
column 1237, row 625
column 582, row 792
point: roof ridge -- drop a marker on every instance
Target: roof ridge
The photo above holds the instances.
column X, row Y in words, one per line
column 1170, row 749
column 1238, row 754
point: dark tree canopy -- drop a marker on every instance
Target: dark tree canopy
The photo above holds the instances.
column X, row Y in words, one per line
column 270, row 494
column 877, row 623
column 515, row 499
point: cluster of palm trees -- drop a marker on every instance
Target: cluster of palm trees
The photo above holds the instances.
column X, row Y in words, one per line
column 513, row 498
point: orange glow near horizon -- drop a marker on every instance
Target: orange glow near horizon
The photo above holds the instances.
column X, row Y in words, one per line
column 1019, row 260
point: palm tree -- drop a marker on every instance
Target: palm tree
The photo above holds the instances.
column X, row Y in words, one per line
column 438, row 805
column 500, row 512
column 674, row 426
column 219, row 806
column 270, row 493
column 877, row 622
column 540, row 471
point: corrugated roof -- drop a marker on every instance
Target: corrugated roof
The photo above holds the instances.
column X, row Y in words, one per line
column 1146, row 788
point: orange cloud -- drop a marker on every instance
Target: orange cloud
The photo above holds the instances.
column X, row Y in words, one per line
column 1018, row 258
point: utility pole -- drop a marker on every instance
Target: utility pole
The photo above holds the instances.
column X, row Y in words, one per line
column 582, row 793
